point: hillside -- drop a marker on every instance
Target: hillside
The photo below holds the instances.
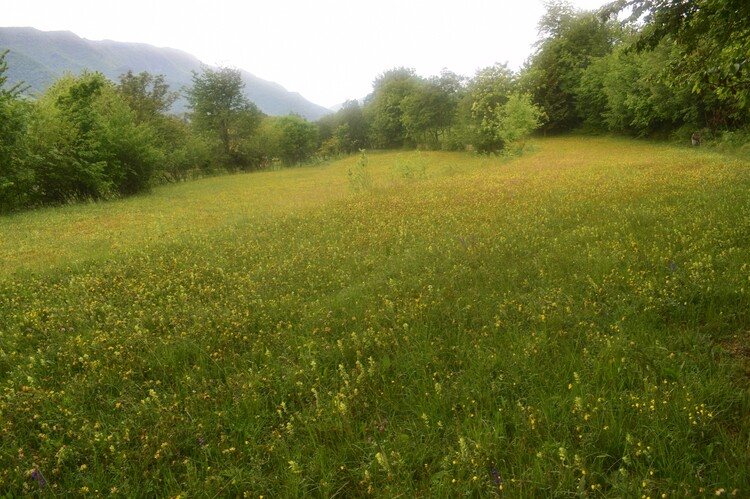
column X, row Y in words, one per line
column 570, row 323
column 39, row 58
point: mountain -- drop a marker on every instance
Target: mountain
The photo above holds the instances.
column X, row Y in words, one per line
column 40, row 57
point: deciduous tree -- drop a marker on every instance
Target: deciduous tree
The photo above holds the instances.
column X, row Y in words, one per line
column 148, row 95
column 345, row 131
column 428, row 111
column 516, row 120
column 86, row 142
column 570, row 41
column 221, row 110
column 384, row 106
column 488, row 92
column 713, row 38
column 15, row 178
column 297, row 138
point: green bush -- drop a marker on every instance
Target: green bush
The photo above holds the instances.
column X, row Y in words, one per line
column 86, row 143
column 516, row 120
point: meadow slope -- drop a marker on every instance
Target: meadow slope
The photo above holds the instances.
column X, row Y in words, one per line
column 571, row 322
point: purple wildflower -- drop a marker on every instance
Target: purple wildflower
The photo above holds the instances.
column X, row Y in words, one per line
column 37, row 475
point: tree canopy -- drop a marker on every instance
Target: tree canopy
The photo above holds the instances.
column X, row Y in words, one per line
column 712, row 38
column 221, row 110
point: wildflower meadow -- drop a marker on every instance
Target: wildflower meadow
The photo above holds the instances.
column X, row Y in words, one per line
column 571, row 322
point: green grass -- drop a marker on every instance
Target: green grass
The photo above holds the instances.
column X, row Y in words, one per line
column 573, row 322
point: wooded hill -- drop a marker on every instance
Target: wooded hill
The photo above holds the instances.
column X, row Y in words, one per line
column 38, row 58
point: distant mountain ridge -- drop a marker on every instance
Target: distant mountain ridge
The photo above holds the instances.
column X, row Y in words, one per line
column 41, row 57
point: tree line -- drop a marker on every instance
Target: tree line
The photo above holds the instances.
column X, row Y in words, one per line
column 670, row 68
column 87, row 137
column 646, row 68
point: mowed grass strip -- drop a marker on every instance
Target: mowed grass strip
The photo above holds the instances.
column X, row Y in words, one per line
column 570, row 322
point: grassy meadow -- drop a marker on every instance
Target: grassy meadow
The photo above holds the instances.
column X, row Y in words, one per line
column 574, row 322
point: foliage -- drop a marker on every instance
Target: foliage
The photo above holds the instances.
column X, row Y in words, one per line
column 570, row 323
column 446, row 112
column 14, row 176
column 408, row 110
column 131, row 149
column 89, row 138
column 570, row 41
column 338, row 141
column 345, row 131
column 623, row 92
column 713, row 42
column 673, row 67
column 220, row 110
column 263, row 147
column 516, row 120
column 185, row 153
column 735, row 142
column 429, row 111
column 487, row 93
column 297, row 139
column 67, row 153
column 86, row 143
column 148, row 95
column 384, row 107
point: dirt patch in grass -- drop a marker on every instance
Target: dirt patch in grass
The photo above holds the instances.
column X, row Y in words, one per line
column 739, row 348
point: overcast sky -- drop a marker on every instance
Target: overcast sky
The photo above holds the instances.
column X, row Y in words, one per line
column 327, row 50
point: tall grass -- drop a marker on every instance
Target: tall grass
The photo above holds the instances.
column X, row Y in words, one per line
column 574, row 322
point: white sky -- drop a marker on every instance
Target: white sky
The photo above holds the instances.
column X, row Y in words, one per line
column 327, row 50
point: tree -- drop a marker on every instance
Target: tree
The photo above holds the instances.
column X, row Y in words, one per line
column 384, row 106
column 85, row 142
column 592, row 104
column 516, row 120
column 15, row 178
column 650, row 104
column 69, row 162
column 713, row 38
column 357, row 128
column 345, row 131
column 222, row 112
column 297, row 139
column 150, row 98
column 148, row 95
column 187, row 154
column 428, row 112
column 570, row 41
column 487, row 93
column 264, row 146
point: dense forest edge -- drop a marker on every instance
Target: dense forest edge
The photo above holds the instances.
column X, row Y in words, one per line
column 672, row 69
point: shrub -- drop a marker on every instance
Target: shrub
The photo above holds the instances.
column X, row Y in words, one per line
column 359, row 175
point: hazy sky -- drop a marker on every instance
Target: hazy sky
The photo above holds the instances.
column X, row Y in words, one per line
column 327, row 50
